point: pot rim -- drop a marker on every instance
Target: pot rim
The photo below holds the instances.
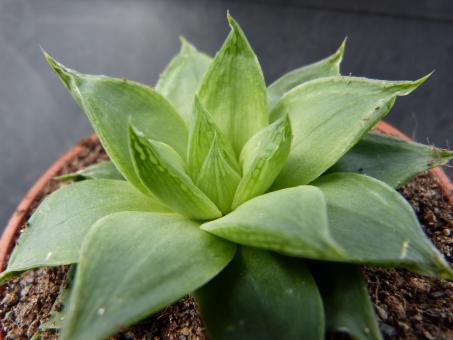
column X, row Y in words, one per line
column 18, row 218
column 19, row 215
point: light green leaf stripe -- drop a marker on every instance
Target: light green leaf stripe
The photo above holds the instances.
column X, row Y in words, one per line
column 132, row 265
column 217, row 179
column 328, row 117
column 57, row 228
column 233, row 89
column 326, row 67
column 375, row 225
column 347, row 304
column 162, row 171
column 109, row 103
column 389, row 159
column 212, row 161
column 261, row 295
column 262, row 159
column 290, row 221
column 103, row 170
column 202, row 134
column 181, row 78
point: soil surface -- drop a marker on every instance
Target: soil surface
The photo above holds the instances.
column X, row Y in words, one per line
column 411, row 306
column 408, row 306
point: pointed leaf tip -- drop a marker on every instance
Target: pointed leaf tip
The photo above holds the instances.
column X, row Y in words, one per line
column 211, row 159
column 109, row 102
column 424, row 78
column 233, row 23
column 200, row 141
column 318, row 107
column 233, row 89
column 407, row 87
column 329, row 66
column 66, row 75
column 262, row 158
column 186, row 46
column 237, row 31
column 444, row 153
column 390, row 159
column 340, row 51
column 385, row 222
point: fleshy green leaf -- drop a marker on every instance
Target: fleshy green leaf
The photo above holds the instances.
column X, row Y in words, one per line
column 180, row 80
column 262, row 159
column 103, row 170
column 261, row 295
column 346, row 300
column 109, row 103
column 202, row 134
column 375, row 225
column 212, row 162
column 133, row 264
column 326, row 67
column 290, row 221
column 217, row 178
column 330, row 115
column 162, row 171
column 389, row 159
column 57, row 228
column 233, row 89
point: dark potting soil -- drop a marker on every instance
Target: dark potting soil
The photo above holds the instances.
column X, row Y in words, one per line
column 408, row 306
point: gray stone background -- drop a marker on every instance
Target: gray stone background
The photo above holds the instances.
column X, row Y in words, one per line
column 388, row 39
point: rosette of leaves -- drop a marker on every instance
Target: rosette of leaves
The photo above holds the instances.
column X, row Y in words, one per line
column 261, row 202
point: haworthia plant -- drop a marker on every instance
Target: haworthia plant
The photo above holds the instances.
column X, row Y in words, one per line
column 346, row 301
column 222, row 188
column 180, row 80
column 106, row 170
column 329, row 66
column 390, row 159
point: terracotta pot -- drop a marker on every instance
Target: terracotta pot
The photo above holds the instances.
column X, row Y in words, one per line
column 19, row 216
column 23, row 209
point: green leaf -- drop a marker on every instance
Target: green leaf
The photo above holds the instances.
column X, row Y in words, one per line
column 290, row 221
column 211, row 158
column 375, row 225
column 133, row 264
column 261, row 295
column 57, row 228
column 180, row 80
column 389, row 159
column 233, row 89
column 262, row 159
column 162, row 171
column 329, row 116
column 217, row 178
column 347, row 304
column 202, row 134
column 326, row 67
column 103, row 170
column 109, row 103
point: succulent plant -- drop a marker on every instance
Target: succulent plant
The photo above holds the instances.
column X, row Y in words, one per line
column 261, row 202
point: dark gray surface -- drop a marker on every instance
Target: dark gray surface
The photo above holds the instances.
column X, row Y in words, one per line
column 135, row 39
